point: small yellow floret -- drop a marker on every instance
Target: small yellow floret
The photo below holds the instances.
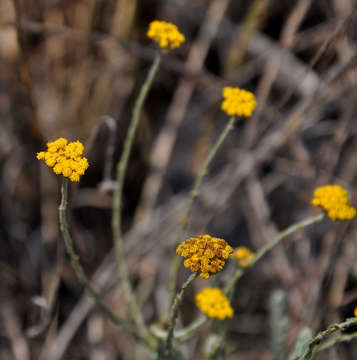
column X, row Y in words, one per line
column 243, row 256
column 205, row 254
column 238, row 102
column 214, row 303
column 65, row 158
column 41, row 155
column 334, row 200
column 74, row 177
column 355, row 312
column 165, row 34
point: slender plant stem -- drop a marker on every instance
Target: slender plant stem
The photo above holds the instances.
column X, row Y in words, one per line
column 82, row 277
column 181, row 334
column 342, row 338
column 311, row 354
column 174, row 312
column 188, row 331
column 175, row 264
column 118, row 197
column 203, row 172
column 229, row 289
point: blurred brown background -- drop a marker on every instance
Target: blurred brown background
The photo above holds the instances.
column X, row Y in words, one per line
column 73, row 68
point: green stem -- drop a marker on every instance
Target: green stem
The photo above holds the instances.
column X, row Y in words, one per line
column 175, row 264
column 82, row 277
column 189, row 330
column 118, row 196
column 203, row 172
column 337, row 340
column 174, row 312
column 229, row 289
column 311, row 354
column 182, row 334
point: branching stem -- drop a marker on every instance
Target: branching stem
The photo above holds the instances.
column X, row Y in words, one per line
column 311, row 353
column 174, row 312
column 229, row 289
column 82, row 277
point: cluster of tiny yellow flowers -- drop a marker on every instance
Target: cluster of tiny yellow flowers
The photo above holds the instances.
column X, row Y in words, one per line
column 165, row 34
column 238, row 102
column 214, row 303
column 65, row 158
column 334, row 200
column 243, row 256
column 205, row 254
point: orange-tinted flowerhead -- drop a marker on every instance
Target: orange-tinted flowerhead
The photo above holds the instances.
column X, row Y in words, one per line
column 205, row 254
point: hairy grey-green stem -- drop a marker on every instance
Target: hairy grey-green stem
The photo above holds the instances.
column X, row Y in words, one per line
column 339, row 339
column 229, row 289
column 82, row 277
column 182, row 334
column 311, row 354
column 193, row 195
column 213, row 347
column 118, row 197
column 174, row 312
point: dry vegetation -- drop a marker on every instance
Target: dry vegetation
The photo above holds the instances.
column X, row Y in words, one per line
column 73, row 68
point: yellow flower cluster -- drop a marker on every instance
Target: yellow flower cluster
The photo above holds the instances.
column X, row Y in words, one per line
column 205, row 254
column 355, row 312
column 238, row 102
column 334, row 200
column 214, row 303
column 243, row 256
column 165, row 34
column 65, row 158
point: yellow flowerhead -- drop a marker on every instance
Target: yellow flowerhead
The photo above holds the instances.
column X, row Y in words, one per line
column 243, row 256
column 334, row 200
column 65, row 158
column 214, row 303
column 205, row 254
column 238, row 102
column 355, row 312
column 165, row 34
